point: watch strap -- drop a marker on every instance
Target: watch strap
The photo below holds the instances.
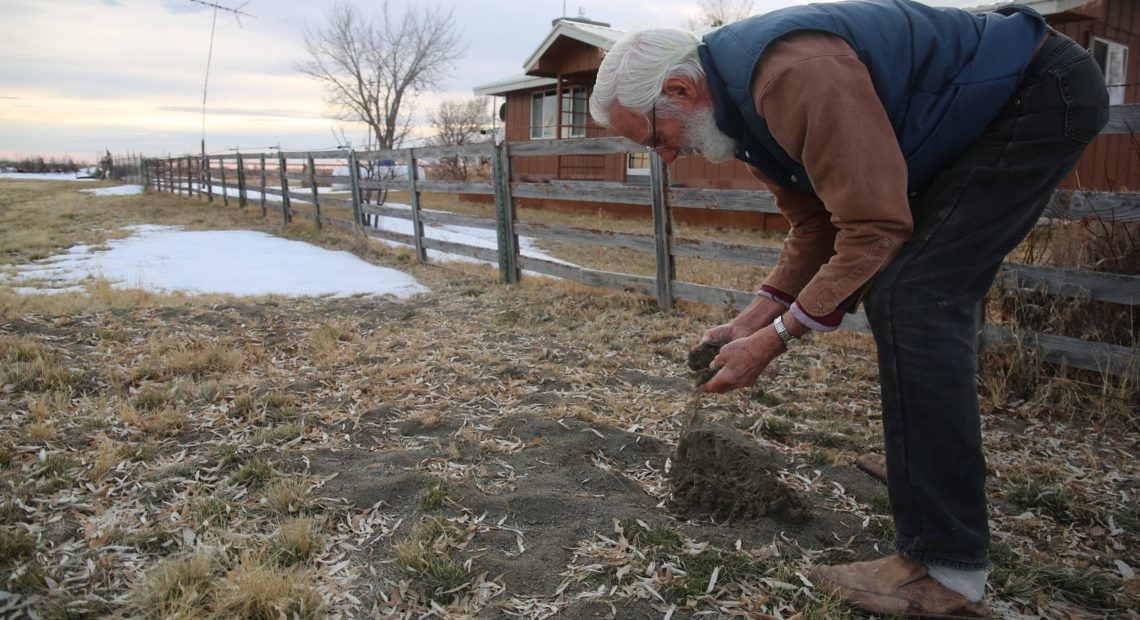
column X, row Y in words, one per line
column 782, row 331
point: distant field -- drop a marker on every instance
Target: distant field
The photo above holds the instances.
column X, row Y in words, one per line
column 483, row 450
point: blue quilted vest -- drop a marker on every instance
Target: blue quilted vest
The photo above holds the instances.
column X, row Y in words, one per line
column 943, row 75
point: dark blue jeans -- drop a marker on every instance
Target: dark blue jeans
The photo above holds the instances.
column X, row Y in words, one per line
column 924, row 308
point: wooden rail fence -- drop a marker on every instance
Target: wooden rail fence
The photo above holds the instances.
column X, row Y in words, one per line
column 296, row 179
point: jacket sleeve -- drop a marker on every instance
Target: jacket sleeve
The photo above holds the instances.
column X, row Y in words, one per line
column 808, row 245
column 821, row 106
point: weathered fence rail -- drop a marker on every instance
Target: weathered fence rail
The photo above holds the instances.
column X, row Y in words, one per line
column 299, row 181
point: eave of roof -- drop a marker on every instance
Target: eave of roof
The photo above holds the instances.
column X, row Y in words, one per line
column 1044, row 7
column 512, row 84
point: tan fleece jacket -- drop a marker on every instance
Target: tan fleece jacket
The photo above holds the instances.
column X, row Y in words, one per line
column 820, row 105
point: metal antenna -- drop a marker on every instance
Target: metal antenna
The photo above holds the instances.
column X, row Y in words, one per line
column 237, row 12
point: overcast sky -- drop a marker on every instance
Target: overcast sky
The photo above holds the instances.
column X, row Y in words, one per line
column 80, row 76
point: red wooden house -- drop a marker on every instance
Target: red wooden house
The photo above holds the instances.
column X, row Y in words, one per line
column 1111, row 30
column 548, row 101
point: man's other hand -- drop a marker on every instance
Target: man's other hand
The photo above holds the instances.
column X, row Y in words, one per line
column 741, row 361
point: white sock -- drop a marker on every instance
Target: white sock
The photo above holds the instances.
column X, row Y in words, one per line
column 969, row 583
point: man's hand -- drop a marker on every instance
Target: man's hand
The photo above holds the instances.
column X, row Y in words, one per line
column 741, row 361
column 723, row 333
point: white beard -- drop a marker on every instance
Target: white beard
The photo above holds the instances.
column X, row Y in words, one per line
column 702, row 135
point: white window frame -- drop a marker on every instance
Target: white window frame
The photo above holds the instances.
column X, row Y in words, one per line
column 1113, row 60
column 542, row 115
column 637, row 163
column 544, row 109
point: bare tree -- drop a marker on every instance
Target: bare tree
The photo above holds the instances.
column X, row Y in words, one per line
column 716, row 13
column 459, row 122
column 372, row 67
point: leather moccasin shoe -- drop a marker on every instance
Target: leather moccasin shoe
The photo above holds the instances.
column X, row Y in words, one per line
column 875, row 465
column 895, row 585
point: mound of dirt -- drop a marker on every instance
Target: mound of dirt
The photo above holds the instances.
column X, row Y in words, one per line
column 720, row 473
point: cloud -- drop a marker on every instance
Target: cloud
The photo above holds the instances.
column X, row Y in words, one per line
column 228, row 111
column 131, row 72
column 182, row 6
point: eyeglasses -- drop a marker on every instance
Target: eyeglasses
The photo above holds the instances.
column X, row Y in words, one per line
column 653, row 147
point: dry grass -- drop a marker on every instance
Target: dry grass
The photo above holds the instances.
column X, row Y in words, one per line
column 1017, row 376
column 167, row 456
column 179, row 587
column 425, row 560
column 210, row 583
column 287, row 496
column 297, row 542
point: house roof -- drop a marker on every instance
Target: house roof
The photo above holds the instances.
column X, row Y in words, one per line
column 602, row 37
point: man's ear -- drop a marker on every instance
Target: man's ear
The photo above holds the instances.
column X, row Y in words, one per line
column 679, row 87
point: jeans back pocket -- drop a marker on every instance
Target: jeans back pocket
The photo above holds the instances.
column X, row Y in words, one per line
column 1086, row 98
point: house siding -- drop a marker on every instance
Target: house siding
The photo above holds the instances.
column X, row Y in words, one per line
column 1111, row 163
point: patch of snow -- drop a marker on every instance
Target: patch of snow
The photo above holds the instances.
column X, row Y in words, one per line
column 42, row 176
column 236, row 262
column 118, row 190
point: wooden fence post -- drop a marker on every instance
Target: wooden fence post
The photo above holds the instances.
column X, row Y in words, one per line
column 313, row 186
column 662, row 230
column 189, row 176
column 286, row 217
column 209, row 178
column 222, row 178
column 262, row 158
column 241, row 181
column 170, row 175
column 505, row 214
column 417, row 223
column 354, row 185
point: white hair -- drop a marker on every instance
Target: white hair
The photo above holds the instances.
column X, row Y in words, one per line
column 634, row 70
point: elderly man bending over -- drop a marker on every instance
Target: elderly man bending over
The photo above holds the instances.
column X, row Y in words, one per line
column 911, row 148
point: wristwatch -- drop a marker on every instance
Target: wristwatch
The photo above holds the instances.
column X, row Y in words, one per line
column 783, row 332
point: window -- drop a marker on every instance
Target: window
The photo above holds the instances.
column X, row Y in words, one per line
column 1113, row 60
column 574, row 112
column 544, row 112
column 637, row 163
